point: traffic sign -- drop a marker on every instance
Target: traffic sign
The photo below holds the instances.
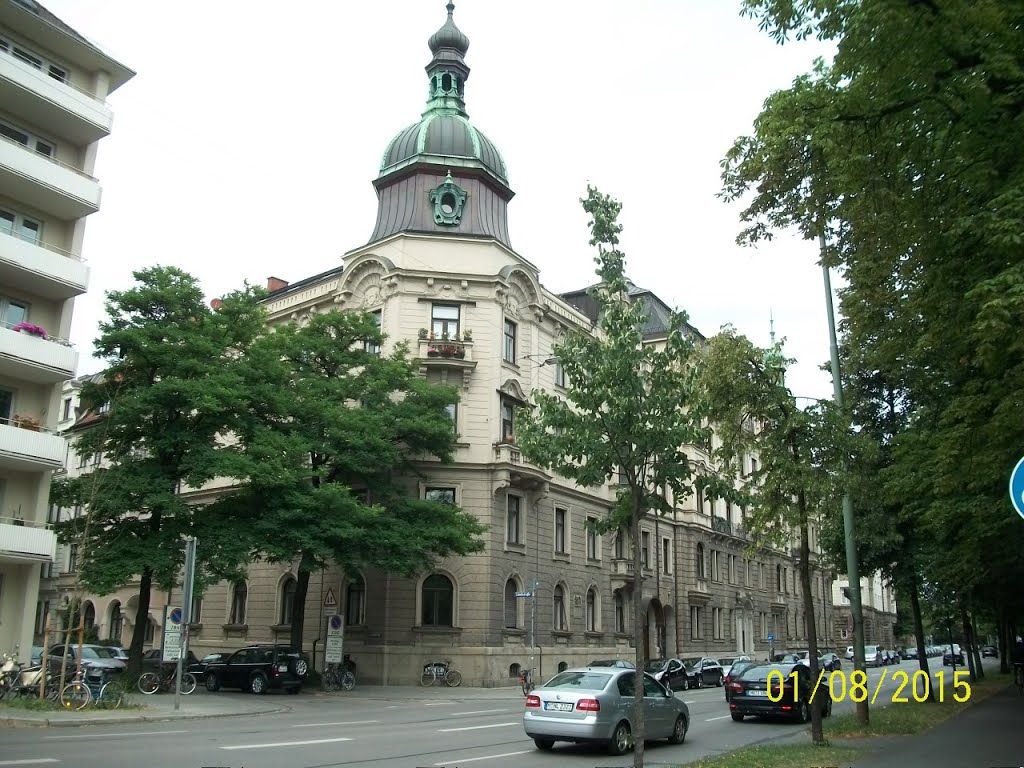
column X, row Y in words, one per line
column 175, row 615
column 770, row 637
column 1017, row 487
column 335, row 640
column 524, row 594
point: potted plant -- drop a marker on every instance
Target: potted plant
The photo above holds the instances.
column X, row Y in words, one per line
column 508, row 439
column 424, row 333
column 27, row 422
column 433, row 352
column 467, row 335
column 30, row 328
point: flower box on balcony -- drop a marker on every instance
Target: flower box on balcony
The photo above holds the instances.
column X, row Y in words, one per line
column 26, row 422
column 30, row 328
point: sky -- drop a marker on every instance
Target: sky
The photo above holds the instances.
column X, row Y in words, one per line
column 246, row 144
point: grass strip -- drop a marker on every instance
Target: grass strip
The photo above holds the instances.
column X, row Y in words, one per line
column 781, row 756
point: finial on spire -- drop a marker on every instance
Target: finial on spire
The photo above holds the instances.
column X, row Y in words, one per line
column 449, row 179
column 771, row 325
column 450, row 7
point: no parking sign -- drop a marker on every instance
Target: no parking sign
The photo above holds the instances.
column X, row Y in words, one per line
column 1017, row 488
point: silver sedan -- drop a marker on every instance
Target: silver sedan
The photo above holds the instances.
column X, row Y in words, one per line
column 596, row 704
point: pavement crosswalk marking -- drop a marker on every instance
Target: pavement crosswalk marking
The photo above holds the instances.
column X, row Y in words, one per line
column 286, row 743
column 712, row 719
column 348, row 722
column 486, row 757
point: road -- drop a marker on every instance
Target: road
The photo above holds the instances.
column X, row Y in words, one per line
column 450, row 728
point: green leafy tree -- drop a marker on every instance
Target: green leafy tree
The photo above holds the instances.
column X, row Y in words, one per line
column 795, row 484
column 628, row 410
column 336, row 434
column 168, row 394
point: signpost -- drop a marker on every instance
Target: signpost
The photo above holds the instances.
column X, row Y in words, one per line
column 184, row 617
column 335, row 640
column 330, row 603
column 1017, row 488
column 172, row 635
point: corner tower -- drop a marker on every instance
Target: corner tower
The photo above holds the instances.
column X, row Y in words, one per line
column 441, row 175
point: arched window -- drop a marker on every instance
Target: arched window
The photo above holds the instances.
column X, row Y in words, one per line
column 89, row 614
column 355, row 601
column 116, row 622
column 620, row 613
column 511, row 608
column 701, row 567
column 239, row 599
column 561, row 620
column 592, row 621
column 438, row 601
column 562, row 666
column 287, row 600
column 514, row 669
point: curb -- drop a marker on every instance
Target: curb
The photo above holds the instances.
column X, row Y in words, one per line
column 46, row 722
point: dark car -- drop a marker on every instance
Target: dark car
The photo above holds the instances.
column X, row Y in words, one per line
column 990, row 650
column 98, row 657
column 953, row 656
column 830, row 662
column 259, row 668
column 199, row 668
column 152, row 659
column 668, row 672
column 619, row 663
column 735, row 670
column 701, row 671
column 791, row 687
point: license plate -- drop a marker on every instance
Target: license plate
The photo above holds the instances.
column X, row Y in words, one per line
column 757, row 693
column 282, row 667
column 558, row 706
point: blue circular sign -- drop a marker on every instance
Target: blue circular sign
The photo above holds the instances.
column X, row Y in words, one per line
column 335, row 622
column 1017, row 487
column 176, row 616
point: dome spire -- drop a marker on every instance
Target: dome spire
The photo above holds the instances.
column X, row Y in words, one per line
column 447, row 69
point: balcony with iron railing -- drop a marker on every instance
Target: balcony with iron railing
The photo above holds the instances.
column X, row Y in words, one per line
column 29, row 353
column 67, row 110
column 450, row 354
column 29, row 264
column 26, row 541
column 38, row 180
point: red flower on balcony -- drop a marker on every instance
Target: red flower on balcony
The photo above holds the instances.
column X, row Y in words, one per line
column 32, row 328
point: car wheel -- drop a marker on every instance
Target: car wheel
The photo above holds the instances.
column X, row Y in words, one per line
column 686, row 683
column 299, row 667
column 700, row 681
column 721, row 681
column 802, row 715
column 258, row 684
column 545, row 745
column 212, row 682
column 678, row 731
column 621, row 741
column 737, row 717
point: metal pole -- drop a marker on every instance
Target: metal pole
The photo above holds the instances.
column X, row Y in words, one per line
column 186, row 613
column 852, row 564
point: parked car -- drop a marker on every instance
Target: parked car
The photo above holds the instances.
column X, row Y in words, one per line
column 952, row 656
column 786, row 658
column 199, row 668
column 990, row 650
column 830, row 662
column 259, row 668
column 750, row 695
column 96, row 656
column 151, row 659
column 702, row 670
column 596, row 704
column 669, row 672
column 874, row 656
column 728, row 661
column 735, row 670
column 620, row 663
column 849, row 653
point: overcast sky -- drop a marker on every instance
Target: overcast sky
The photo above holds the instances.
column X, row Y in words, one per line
column 247, row 142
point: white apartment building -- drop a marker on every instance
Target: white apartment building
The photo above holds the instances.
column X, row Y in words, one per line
column 53, row 113
column 878, row 604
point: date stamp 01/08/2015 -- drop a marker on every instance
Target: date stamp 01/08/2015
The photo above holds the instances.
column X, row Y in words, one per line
column 915, row 687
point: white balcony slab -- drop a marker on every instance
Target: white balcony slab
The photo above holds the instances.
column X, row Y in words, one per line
column 26, row 450
column 24, row 542
column 41, row 100
column 40, row 271
column 37, row 181
column 29, row 357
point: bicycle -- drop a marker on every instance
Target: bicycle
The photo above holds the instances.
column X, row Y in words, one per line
column 90, row 686
column 526, row 681
column 434, row 671
column 339, row 676
column 165, row 680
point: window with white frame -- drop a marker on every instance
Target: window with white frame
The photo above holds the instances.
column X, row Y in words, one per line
column 12, row 311
column 33, row 59
column 593, row 553
column 508, row 421
column 731, row 568
column 666, row 555
column 592, row 620
column 559, row 375
column 561, row 618
column 22, row 227
column 696, row 630
column 370, row 345
column 510, row 342
column 512, row 519
column 701, row 566
column 715, row 574
column 561, row 525
column 440, row 494
column 645, row 549
column 26, row 139
column 716, row 622
column 444, row 321
column 65, row 413
column 239, row 602
column 620, row 613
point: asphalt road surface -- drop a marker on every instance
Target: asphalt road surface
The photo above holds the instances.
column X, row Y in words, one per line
column 340, row 730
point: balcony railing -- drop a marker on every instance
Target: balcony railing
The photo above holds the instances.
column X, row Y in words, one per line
column 32, row 240
column 53, row 160
column 46, row 77
column 721, row 525
column 25, row 539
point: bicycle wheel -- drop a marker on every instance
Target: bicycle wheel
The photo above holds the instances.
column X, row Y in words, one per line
column 330, row 681
column 112, row 695
column 75, row 695
column 149, row 683
column 453, row 678
column 428, row 677
column 348, row 681
column 527, row 685
column 188, row 683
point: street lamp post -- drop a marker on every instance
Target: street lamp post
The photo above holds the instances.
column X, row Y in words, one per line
column 852, row 565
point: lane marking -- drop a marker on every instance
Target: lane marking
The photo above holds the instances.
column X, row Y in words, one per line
column 486, row 757
column 34, row 761
column 111, row 735
column 347, row 722
column 475, row 727
column 691, row 701
column 436, row 703
column 287, row 743
column 712, row 719
column 480, row 712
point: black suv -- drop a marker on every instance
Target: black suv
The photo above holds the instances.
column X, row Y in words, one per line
column 258, row 668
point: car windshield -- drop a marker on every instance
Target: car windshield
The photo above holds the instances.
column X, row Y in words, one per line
column 692, row 662
column 870, row 648
column 739, row 666
column 655, row 665
column 97, row 653
column 591, row 681
column 727, row 661
column 761, row 672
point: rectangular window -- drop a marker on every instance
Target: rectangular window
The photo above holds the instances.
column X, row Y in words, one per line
column 72, row 558
column 695, row 627
column 440, row 494
column 16, row 225
column 372, row 347
column 66, row 409
column 716, row 622
column 453, row 413
column 444, row 321
column 592, row 550
column 27, row 140
column 83, row 460
column 620, row 544
column 645, row 549
column 715, row 575
column 508, row 352
column 620, row 614
column 753, row 465
column 12, row 312
column 512, row 520
column 561, row 518
column 666, row 555
column 196, row 617
column 559, row 375
column 731, row 566
column 561, row 622
column 508, row 421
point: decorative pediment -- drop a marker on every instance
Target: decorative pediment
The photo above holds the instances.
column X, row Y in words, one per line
column 513, row 390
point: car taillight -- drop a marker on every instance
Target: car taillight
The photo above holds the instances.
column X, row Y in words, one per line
column 588, row 705
column 735, row 687
column 532, row 701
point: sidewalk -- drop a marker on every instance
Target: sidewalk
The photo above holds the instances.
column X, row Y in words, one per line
column 202, row 704
column 989, row 733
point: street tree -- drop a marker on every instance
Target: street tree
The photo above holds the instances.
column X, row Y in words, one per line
column 795, row 485
column 627, row 411
column 158, row 413
column 337, row 431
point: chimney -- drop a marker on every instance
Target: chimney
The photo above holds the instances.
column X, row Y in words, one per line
column 216, row 303
column 276, row 284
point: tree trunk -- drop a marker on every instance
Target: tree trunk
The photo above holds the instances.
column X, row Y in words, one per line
column 820, row 691
column 299, row 604
column 141, row 622
column 639, row 622
column 915, row 608
column 1001, row 632
column 975, row 649
column 965, row 625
